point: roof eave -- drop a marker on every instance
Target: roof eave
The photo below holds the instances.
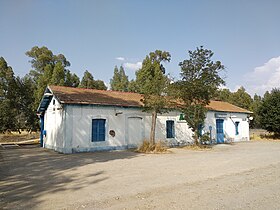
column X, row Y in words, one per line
column 45, row 101
column 100, row 104
column 243, row 112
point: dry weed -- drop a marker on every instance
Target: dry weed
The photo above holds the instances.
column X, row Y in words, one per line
column 198, row 147
column 147, row 147
column 15, row 137
column 265, row 137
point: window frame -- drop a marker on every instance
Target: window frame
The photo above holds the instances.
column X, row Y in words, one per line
column 99, row 132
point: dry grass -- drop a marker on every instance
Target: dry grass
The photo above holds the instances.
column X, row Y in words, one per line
column 197, row 147
column 147, row 147
column 16, row 137
column 255, row 137
column 264, row 136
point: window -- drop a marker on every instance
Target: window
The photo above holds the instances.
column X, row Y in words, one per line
column 236, row 128
column 98, row 130
column 182, row 117
column 170, row 129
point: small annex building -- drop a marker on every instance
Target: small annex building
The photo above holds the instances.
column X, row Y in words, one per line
column 84, row 120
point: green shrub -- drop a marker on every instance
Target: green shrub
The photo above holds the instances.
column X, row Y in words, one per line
column 205, row 138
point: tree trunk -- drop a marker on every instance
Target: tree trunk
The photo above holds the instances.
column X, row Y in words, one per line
column 196, row 142
column 196, row 115
column 153, row 128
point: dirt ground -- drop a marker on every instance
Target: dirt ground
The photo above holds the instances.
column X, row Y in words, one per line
column 239, row 176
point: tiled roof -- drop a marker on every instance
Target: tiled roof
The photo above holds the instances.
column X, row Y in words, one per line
column 225, row 107
column 68, row 95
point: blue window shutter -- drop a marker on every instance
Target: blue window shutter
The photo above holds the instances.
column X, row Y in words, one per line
column 167, row 129
column 170, row 131
column 101, row 130
column 98, row 130
column 173, row 129
column 236, row 128
column 94, row 130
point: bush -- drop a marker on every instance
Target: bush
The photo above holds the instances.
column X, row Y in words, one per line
column 273, row 136
column 205, row 138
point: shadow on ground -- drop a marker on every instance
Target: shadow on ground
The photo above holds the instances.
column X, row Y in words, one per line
column 28, row 172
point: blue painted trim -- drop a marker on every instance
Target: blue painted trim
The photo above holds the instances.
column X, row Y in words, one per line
column 41, row 129
column 44, row 103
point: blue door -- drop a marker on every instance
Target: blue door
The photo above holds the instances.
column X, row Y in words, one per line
column 220, row 131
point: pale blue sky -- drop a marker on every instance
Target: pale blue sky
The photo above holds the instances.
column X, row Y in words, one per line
column 244, row 35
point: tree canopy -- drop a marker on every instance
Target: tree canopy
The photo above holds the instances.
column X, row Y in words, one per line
column 20, row 97
column 8, row 105
column 199, row 82
column 119, row 81
column 89, row 82
column 152, row 83
column 47, row 69
column 242, row 99
column 269, row 112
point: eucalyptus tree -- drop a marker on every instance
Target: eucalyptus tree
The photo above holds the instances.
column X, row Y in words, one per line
column 89, row 82
column 8, row 97
column 44, row 63
column 119, row 81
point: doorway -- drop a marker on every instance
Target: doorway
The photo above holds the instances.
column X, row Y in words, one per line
column 220, row 131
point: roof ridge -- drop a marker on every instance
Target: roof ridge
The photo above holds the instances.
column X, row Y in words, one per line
column 116, row 91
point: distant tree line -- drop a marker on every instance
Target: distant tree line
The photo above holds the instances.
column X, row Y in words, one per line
column 199, row 83
column 20, row 97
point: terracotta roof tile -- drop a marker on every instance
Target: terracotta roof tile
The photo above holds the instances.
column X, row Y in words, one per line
column 68, row 95
column 225, row 107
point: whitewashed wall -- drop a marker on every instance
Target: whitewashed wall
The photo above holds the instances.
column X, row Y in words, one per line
column 69, row 129
column 54, row 127
column 183, row 133
column 229, row 127
column 131, row 127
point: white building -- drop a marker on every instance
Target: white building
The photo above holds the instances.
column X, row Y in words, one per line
column 82, row 120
